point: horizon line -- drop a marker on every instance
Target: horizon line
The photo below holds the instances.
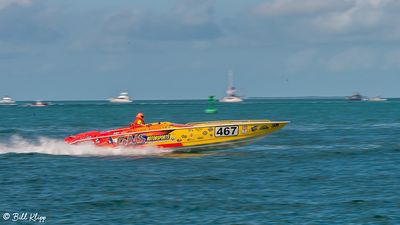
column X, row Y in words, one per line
column 196, row 99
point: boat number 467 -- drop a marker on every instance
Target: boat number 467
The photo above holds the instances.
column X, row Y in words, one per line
column 226, row 131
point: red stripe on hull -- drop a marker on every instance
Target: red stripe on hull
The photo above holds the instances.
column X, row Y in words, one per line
column 173, row 145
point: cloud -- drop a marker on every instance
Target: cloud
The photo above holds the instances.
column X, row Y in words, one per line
column 6, row 3
column 301, row 60
column 356, row 58
column 392, row 59
column 9, row 51
column 195, row 12
column 296, row 7
column 188, row 20
column 23, row 22
column 316, row 21
column 362, row 14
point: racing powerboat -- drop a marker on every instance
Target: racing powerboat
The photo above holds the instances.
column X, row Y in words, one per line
column 182, row 137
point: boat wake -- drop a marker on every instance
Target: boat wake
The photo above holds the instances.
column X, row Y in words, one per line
column 50, row 146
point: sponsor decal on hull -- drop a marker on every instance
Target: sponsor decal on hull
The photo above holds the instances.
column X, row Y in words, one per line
column 158, row 138
column 139, row 139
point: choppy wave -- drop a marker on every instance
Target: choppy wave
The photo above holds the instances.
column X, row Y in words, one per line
column 50, row 146
column 386, row 125
column 322, row 127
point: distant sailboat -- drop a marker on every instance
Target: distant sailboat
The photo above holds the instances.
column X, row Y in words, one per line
column 230, row 92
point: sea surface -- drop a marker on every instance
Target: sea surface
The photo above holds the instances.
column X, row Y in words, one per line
column 337, row 162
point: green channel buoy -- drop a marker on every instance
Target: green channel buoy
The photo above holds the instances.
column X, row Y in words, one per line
column 211, row 109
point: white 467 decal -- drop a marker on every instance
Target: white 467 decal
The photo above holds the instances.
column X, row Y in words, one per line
column 226, row 131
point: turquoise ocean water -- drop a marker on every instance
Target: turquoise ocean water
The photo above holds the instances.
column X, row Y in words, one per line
column 337, row 162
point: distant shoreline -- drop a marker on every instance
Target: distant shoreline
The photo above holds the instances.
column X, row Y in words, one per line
column 203, row 99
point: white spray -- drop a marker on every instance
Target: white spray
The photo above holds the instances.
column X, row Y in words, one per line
column 59, row 147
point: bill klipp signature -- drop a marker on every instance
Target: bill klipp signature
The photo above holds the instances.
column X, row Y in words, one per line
column 24, row 216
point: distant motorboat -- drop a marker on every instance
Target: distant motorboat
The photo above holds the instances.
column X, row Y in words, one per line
column 39, row 104
column 356, row 97
column 231, row 99
column 377, row 99
column 230, row 92
column 7, row 100
column 123, row 97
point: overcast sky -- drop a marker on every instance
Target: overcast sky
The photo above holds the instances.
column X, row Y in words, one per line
column 166, row 49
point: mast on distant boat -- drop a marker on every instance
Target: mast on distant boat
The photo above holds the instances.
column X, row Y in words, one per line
column 231, row 89
column 230, row 92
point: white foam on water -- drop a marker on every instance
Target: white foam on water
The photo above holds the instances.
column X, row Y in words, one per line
column 58, row 147
column 386, row 125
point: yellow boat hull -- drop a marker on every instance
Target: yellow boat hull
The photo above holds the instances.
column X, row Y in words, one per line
column 205, row 135
column 182, row 137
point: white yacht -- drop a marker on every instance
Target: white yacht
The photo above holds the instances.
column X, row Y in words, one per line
column 7, row 100
column 230, row 92
column 357, row 97
column 39, row 103
column 377, row 99
column 123, row 97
